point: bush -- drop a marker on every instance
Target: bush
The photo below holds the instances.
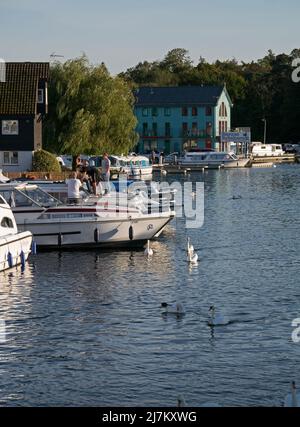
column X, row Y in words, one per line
column 43, row 161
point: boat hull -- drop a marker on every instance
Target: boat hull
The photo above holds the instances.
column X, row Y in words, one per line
column 14, row 245
column 241, row 163
column 95, row 233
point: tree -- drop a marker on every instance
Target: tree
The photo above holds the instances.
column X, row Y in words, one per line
column 90, row 112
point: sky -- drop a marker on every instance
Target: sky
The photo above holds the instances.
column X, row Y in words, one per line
column 122, row 33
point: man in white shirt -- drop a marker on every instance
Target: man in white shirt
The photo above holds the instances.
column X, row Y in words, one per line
column 74, row 185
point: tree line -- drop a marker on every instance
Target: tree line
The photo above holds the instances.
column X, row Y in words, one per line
column 91, row 112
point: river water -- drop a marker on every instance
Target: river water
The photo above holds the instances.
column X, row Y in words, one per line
column 85, row 328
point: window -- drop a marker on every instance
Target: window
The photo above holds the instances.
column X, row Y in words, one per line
column 194, row 111
column 154, row 129
column 184, row 128
column 10, row 127
column 167, row 129
column 167, row 111
column 194, row 129
column 154, row 112
column 145, row 128
column 145, row 112
column 223, row 110
column 184, row 111
column 10, row 157
column 40, row 96
column 7, row 223
column 208, row 128
column 208, row 111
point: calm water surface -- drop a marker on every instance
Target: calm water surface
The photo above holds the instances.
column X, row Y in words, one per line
column 85, row 328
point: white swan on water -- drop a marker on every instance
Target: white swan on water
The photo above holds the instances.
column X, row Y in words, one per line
column 292, row 400
column 176, row 308
column 148, row 251
column 192, row 257
column 217, row 319
column 190, row 248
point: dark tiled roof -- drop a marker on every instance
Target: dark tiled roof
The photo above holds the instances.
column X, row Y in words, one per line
column 18, row 94
column 177, row 96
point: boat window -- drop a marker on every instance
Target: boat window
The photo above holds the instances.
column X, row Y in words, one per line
column 34, row 196
column 7, row 223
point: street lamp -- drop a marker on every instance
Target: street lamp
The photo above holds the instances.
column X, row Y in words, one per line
column 265, row 130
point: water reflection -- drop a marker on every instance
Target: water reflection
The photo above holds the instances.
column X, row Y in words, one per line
column 85, row 328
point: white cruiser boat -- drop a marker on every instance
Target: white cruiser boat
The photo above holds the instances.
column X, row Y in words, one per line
column 14, row 247
column 213, row 160
column 134, row 166
column 88, row 225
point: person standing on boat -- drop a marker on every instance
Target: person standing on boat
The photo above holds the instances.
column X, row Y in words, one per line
column 106, row 172
column 74, row 185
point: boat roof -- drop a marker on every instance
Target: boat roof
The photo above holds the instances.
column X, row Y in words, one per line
column 129, row 158
column 18, row 186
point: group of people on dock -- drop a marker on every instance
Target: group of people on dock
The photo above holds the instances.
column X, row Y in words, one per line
column 92, row 177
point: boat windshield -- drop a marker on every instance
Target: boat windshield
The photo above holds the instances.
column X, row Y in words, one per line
column 26, row 197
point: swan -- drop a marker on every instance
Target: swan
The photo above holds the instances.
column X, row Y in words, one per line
column 292, row 400
column 217, row 320
column 164, row 173
column 193, row 258
column 190, row 248
column 176, row 308
column 148, row 251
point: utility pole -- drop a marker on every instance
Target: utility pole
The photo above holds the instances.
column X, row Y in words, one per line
column 265, row 130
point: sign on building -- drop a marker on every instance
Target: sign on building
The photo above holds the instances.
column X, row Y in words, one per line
column 236, row 137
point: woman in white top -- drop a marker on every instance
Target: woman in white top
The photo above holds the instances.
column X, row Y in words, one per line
column 74, row 185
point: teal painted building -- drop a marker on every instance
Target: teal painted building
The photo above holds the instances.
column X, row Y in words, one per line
column 174, row 119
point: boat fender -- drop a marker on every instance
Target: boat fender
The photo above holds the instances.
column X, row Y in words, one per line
column 23, row 259
column 97, row 235
column 60, row 239
column 131, row 232
column 10, row 260
column 33, row 248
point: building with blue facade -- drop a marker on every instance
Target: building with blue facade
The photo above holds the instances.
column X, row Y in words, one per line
column 174, row 119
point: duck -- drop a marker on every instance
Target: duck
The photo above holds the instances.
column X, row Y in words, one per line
column 217, row 320
column 148, row 251
column 181, row 402
column 292, row 400
column 176, row 308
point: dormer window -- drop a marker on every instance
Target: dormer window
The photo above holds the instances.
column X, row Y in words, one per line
column 10, row 127
column 40, row 96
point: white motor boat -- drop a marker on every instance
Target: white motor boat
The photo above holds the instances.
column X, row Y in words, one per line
column 14, row 247
column 87, row 225
column 134, row 166
column 213, row 160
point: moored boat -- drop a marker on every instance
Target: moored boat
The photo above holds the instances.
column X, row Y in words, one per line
column 89, row 225
column 15, row 247
column 213, row 160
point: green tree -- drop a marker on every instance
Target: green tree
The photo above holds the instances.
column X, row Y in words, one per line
column 90, row 112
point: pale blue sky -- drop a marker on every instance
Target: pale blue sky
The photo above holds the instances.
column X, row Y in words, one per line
column 123, row 32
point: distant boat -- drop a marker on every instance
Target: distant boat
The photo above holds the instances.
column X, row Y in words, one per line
column 213, row 160
column 134, row 166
